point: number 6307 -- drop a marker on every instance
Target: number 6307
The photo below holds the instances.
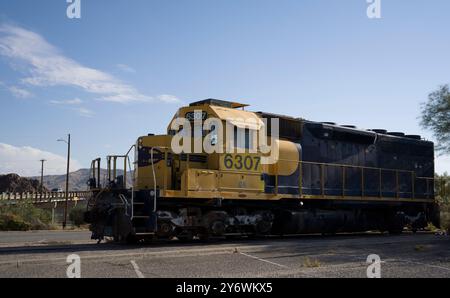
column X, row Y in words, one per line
column 242, row 162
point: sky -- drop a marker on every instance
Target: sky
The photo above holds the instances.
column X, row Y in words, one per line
column 125, row 67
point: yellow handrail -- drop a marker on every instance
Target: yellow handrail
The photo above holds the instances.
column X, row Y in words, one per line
column 323, row 167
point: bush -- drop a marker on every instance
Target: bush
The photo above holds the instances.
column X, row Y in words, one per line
column 13, row 222
column 23, row 216
column 445, row 218
column 76, row 216
column 443, row 197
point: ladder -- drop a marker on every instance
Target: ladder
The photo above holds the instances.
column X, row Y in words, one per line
column 142, row 216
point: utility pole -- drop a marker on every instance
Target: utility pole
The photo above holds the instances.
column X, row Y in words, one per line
column 67, row 179
column 42, row 175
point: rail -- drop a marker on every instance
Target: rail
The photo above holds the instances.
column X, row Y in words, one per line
column 430, row 183
column 393, row 183
column 38, row 197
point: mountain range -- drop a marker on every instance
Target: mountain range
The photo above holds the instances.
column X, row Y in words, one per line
column 77, row 180
column 13, row 183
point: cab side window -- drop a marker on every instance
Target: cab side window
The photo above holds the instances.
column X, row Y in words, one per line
column 243, row 138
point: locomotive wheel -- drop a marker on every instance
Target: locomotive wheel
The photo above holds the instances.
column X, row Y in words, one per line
column 396, row 229
column 148, row 240
column 131, row 239
column 397, row 223
column 203, row 237
column 185, row 236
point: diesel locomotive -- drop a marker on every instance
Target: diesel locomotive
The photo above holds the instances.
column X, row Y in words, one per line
column 325, row 178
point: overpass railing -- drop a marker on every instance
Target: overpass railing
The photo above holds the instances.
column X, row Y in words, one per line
column 37, row 197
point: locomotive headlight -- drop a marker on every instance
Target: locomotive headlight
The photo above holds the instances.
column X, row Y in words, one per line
column 152, row 193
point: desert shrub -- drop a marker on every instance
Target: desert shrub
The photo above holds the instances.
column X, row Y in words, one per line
column 13, row 222
column 311, row 263
column 445, row 217
column 442, row 190
column 76, row 215
column 23, row 216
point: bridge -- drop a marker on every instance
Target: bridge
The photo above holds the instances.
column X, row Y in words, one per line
column 52, row 201
column 44, row 197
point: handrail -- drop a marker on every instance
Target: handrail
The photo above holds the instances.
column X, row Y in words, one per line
column 38, row 197
column 343, row 165
column 114, row 158
column 397, row 172
column 323, row 166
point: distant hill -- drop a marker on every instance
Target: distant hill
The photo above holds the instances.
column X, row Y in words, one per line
column 13, row 183
column 77, row 180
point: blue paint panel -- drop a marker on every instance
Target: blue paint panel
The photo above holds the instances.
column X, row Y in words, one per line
column 338, row 145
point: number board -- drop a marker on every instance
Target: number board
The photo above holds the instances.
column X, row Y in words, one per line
column 240, row 162
column 197, row 115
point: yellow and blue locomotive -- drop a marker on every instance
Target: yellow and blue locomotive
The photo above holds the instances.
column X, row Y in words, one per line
column 323, row 178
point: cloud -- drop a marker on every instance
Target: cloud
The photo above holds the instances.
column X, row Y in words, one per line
column 20, row 92
column 70, row 102
column 168, row 98
column 84, row 112
column 16, row 91
column 126, row 68
column 47, row 66
column 25, row 161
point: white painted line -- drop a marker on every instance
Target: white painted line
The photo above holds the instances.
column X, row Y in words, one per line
column 166, row 253
column 262, row 260
column 136, row 269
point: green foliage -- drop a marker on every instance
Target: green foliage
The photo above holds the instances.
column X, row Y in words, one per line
column 23, row 216
column 445, row 217
column 13, row 222
column 76, row 216
column 436, row 117
column 443, row 198
column 442, row 189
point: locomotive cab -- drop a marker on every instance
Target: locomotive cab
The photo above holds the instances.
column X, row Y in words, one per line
column 212, row 161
